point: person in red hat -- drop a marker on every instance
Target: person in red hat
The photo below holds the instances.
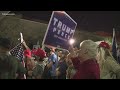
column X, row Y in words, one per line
column 39, row 69
column 27, row 53
column 109, row 67
column 35, row 70
column 29, row 60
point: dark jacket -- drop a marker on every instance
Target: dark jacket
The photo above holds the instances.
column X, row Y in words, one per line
column 9, row 66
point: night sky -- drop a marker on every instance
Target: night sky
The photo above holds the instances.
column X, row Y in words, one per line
column 87, row 20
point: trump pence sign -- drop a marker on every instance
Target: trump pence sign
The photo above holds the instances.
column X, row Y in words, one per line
column 60, row 30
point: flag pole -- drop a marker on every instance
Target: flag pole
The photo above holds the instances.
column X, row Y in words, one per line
column 21, row 40
column 114, row 45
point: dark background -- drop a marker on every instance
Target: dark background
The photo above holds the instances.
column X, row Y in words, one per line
column 87, row 20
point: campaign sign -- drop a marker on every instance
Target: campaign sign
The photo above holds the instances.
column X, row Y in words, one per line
column 60, row 30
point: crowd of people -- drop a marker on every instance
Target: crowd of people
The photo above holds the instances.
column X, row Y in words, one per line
column 90, row 61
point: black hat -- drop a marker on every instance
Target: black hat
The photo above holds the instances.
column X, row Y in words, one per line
column 5, row 42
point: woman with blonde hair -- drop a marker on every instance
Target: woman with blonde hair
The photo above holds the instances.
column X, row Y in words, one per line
column 84, row 61
column 109, row 68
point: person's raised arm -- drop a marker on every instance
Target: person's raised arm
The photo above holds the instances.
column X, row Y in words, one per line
column 25, row 45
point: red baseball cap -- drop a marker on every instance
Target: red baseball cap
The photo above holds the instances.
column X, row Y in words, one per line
column 41, row 53
column 27, row 53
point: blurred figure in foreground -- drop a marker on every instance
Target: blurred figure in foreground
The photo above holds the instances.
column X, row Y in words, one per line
column 10, row 66
column 85, row 63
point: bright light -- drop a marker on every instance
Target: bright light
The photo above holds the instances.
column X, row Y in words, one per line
column 71, row 41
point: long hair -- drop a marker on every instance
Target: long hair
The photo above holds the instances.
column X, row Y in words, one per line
column 102, row 55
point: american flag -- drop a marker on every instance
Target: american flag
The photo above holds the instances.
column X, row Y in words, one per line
column 17, row 51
